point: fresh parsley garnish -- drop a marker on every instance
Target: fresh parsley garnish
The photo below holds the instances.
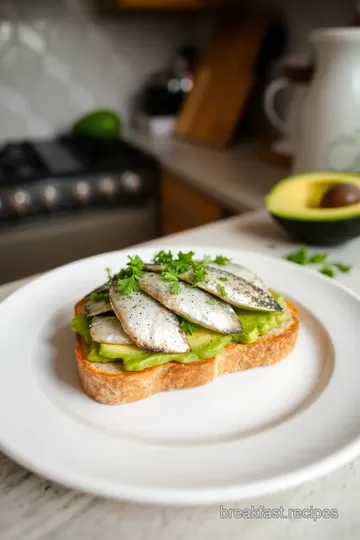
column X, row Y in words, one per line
column 211, row 301
column 299, row 257
column 327, row 267
column 318, row 258
column 199, row 273
column 176, row 266
column 220, row 259
column 221, row 290
column 343, row 267
column 136, row 265
column 186, row 257
column 98, row 296
column 128, row 285
column 109, row 275
column 188, row 327
column 162, row 257
column 207, row 259
column 327, row 271
column 175, row 287
column 179, row 266
column 128, row 278
column 223, row 279
column 169, row 274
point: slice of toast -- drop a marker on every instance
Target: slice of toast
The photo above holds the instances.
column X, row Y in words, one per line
column 110, row 384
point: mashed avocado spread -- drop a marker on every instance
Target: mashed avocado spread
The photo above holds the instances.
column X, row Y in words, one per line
column 204, row 343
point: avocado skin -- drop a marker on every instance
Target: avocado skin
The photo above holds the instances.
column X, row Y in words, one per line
column 321, row 233
column 101, row 124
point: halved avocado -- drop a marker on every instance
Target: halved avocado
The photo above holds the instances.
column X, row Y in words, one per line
column 295, row 204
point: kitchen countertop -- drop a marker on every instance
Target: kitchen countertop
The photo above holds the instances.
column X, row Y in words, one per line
column 236, row 177
column 32, row 508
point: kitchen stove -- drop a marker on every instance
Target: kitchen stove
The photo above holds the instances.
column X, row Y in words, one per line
column 70, row 174
column 68, row 198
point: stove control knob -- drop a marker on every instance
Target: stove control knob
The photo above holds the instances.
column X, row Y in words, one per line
column 131, row 182
column 82, row 191
column 107, row 187
column 50, row 196
column 19, row 201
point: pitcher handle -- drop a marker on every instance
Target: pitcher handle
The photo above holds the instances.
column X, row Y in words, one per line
column 269, row 103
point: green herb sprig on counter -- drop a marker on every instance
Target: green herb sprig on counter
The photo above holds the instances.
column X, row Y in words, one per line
column 299, row 257
column 328, row 268
column 345, row 268
column 327, row 271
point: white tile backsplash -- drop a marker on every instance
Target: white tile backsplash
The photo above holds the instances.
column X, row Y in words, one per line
column 59, row 60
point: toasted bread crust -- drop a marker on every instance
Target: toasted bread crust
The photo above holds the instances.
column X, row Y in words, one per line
column 126, row 386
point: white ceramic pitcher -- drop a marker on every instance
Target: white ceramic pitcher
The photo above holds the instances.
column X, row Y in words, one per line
column 329, row 131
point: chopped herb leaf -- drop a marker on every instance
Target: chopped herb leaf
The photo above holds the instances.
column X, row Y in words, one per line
column 223, row 279
column 186, row 257
column 299, row 257
column 188, row 327
column 211, row 301
column 343, row 267
column 318, row 258
column 97, row 296
column 169, row 274
column 175, row 287
column 128, row 285
column 207, row 259
column 327, row 271
column 162, row 257
column 127, row 278
column 180, row 266
column 199, row 273
column 136, row 265
column 109, row 276
column 220, row 259
column 221, row 290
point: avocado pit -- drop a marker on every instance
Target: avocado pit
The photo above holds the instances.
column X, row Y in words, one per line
column 339, row 195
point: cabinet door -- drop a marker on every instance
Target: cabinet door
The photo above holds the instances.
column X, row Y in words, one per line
column 183, row 207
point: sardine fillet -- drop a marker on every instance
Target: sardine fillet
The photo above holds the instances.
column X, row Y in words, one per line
column 192, row 304
column 147, row 323
column 110, row 384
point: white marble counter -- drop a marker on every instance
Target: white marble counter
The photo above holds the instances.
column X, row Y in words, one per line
column 236, row 177
column 32, row 508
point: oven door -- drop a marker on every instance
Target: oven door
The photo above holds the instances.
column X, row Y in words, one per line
column 37, row 247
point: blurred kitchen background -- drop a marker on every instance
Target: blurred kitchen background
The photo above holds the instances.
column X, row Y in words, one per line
column 124, row 120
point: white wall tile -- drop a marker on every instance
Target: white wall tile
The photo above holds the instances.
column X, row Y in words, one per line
column 58, row 60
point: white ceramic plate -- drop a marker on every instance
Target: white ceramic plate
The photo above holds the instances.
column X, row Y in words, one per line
column 242, row 435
